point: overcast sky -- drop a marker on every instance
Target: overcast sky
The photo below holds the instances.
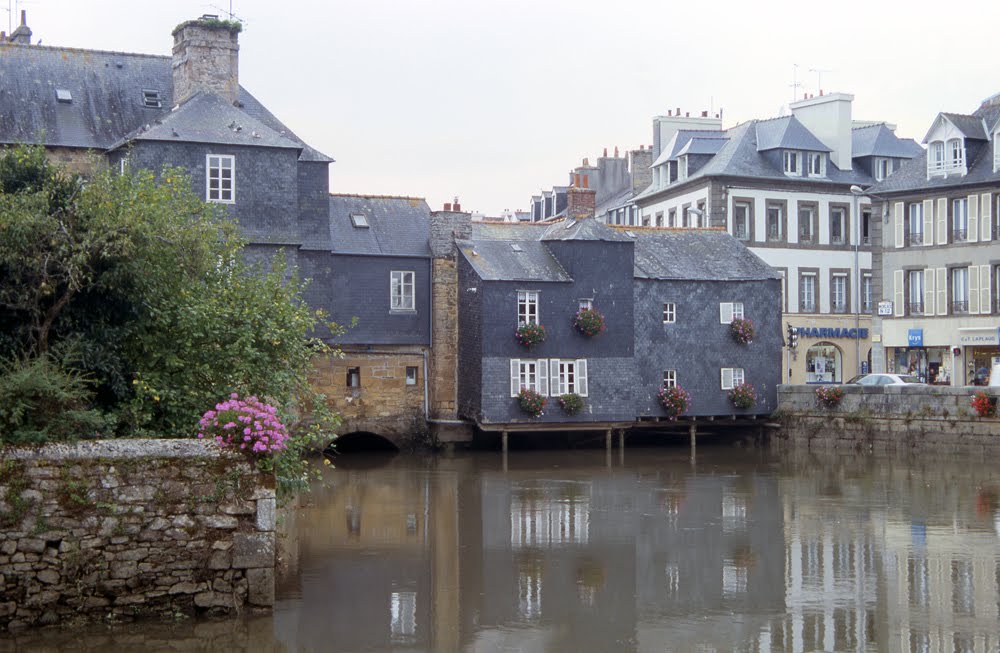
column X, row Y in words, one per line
column 493, row 100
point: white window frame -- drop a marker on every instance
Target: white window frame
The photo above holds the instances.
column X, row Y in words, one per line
column 935, row 157
column 729, row 311
column 817, row 164
column 527, row 307
column 585, row 304
column 960, row 217
column 915, row 223
column 883, row 168
column 732, row 377
column 960, row 285
column 411, row 379
column 915, row 292
column 811, row 305
column 838, row 290
column 568, row 376
column 528, row 374
column 867, row 299
column 790, row 160
column 669, row 312
column 778, row 227
column 402, row 290
column 806, row 222
column 744, row 220
column 669, row 378
column 956, row 150
column 842, row 221
column 215, row 165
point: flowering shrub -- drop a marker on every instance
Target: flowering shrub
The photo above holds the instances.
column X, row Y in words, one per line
column 571, row 403
column 531, row 401
column 589, row 322
column 248, row 425
column 742, row 330
column 984, row 405
column 743, row 396
column 530, row 334
column 829, row 396
column 675, row 401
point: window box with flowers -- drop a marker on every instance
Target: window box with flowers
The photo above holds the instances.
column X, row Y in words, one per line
column 589, row 322
column 571, row 403
column 743, row 396
column 675, row 400
column 742, row 330
column 829, row 396
column 984, row 405
column 530, row 334
column 531, row 401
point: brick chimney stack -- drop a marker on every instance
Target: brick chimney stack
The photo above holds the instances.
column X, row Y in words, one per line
column 206, row 58
column 581, row 202
column 22, row 34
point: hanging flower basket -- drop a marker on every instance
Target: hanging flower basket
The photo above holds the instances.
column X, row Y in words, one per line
column 829, row 396
column 530, row 334
column 984, row 405
column 531, row 402
column 675, row 401
column 589, row 322
column 743, row 396
column 571, row 403
column 742, row 330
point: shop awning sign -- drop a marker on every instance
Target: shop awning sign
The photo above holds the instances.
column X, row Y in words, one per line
column 975, row 336
column 915, row 338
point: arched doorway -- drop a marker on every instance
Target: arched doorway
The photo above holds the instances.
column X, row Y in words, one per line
column 824, row 363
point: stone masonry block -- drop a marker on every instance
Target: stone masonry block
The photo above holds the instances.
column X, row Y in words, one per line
column 253, row 550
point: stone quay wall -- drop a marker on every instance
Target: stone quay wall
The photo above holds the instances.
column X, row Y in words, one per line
column 886, row 418
column 131, row 528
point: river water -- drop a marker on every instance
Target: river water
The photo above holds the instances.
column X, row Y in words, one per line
column 641, row 550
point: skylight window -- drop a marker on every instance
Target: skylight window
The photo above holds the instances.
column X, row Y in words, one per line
column 516, row 247
column 359, row 220
column 151, row 98
column 63, row 95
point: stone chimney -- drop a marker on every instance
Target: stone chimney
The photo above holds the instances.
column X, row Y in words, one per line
column 828, row 117
column 639, row 165
column 22, row 34
column 206, row 58
column 581, row 201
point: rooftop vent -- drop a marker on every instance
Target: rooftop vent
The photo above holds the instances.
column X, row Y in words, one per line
column 516, row 247
column 63, row 95
column 359, row 221
column 151, row 98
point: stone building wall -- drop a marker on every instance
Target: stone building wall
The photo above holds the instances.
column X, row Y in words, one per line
column 130, row 528
column 888, row 418
column 76, row 161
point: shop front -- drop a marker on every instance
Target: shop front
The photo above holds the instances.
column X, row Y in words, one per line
column 982, row 350
column 831, row 351
column 931, row 364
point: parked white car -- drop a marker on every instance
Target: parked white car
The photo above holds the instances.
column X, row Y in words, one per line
column 885, row 379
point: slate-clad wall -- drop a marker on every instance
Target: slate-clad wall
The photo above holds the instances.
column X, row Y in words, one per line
column 266, row 184
column 314, row 204
column 697, row 346
column 358, row 286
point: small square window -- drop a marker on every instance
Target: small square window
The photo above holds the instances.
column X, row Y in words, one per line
column 411, row 376
column 359, row 220
column 219, row 178
column 586, row 304
column 669, row 378
column 669, row 313
column 353, row 377
column 64, row 96
column 401, row 290
column 151, row 98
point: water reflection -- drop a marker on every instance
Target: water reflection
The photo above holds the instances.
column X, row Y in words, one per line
column 566, row 551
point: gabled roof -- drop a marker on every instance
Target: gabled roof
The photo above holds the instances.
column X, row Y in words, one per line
column 787, row 133
column 500, row 260
column 682, row 138
column 970, row 126
column 397, row 226
column 586, row 229
column 696, row 254
column 702, row 146
column 879, row 140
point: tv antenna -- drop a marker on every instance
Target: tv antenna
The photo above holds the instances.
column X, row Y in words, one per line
column 229, row 13
column 819, row 76
column 795, row 81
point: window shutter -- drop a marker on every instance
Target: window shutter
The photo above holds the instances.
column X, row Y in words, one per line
column 928, row 222
column 929, row 291
column 899, row 223
column 986, row 220
column 515, row 377
column 973, row 233
column 555, row 383
column 942, row 291
column 543, row 377
column 727, row 378
column 897, row 294
column 725, row 312
column 581, row 377
column 942, row 220
column 973, row 289
column 985, row 301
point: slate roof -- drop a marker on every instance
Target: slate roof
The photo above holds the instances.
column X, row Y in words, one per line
column 879, row 140
column 107, row 102
column 497, row 260
column 508, row 231
column 588, row 229
column 696, row 254
column 970, row 126
column 681, row 139
column 398, row 226
column 787, row 133
column 702, row 146
column 913, row 174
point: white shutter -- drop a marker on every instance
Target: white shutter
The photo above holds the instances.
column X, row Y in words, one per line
column 515, row 377
column 555, row 383
column 942, row 290
column 897, row 294
column 942, row 220
column 973, row 290
column 972, row 235
column 928, row 222
column 985, row 300
column 929, row 291
column 725, row 312
column 581, row 377
column 986, row 219
column 727, row 378
column 899, row 208
column 543, row 377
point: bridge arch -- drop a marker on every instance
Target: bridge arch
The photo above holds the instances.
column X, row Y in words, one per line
column 356, row 441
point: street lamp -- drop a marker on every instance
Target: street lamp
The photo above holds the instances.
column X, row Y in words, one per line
column 856, row 193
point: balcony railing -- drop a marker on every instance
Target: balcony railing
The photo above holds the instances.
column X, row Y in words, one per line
column 944, row 167
column 960, row 307
column 914, row 238
column 915, row 308
column 959, row 235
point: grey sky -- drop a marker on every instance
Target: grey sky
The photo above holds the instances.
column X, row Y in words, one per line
column 494, row 100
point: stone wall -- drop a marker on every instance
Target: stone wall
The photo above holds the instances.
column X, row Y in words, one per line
column 128, row 528
column 887, row 418
column 77, row 161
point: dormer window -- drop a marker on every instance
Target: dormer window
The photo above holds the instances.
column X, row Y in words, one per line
column 935, row 157
column 956, row 152
column 791, row 160
column 946, row 157
column 996, row 151
column 883, row 168
column 817, row 164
